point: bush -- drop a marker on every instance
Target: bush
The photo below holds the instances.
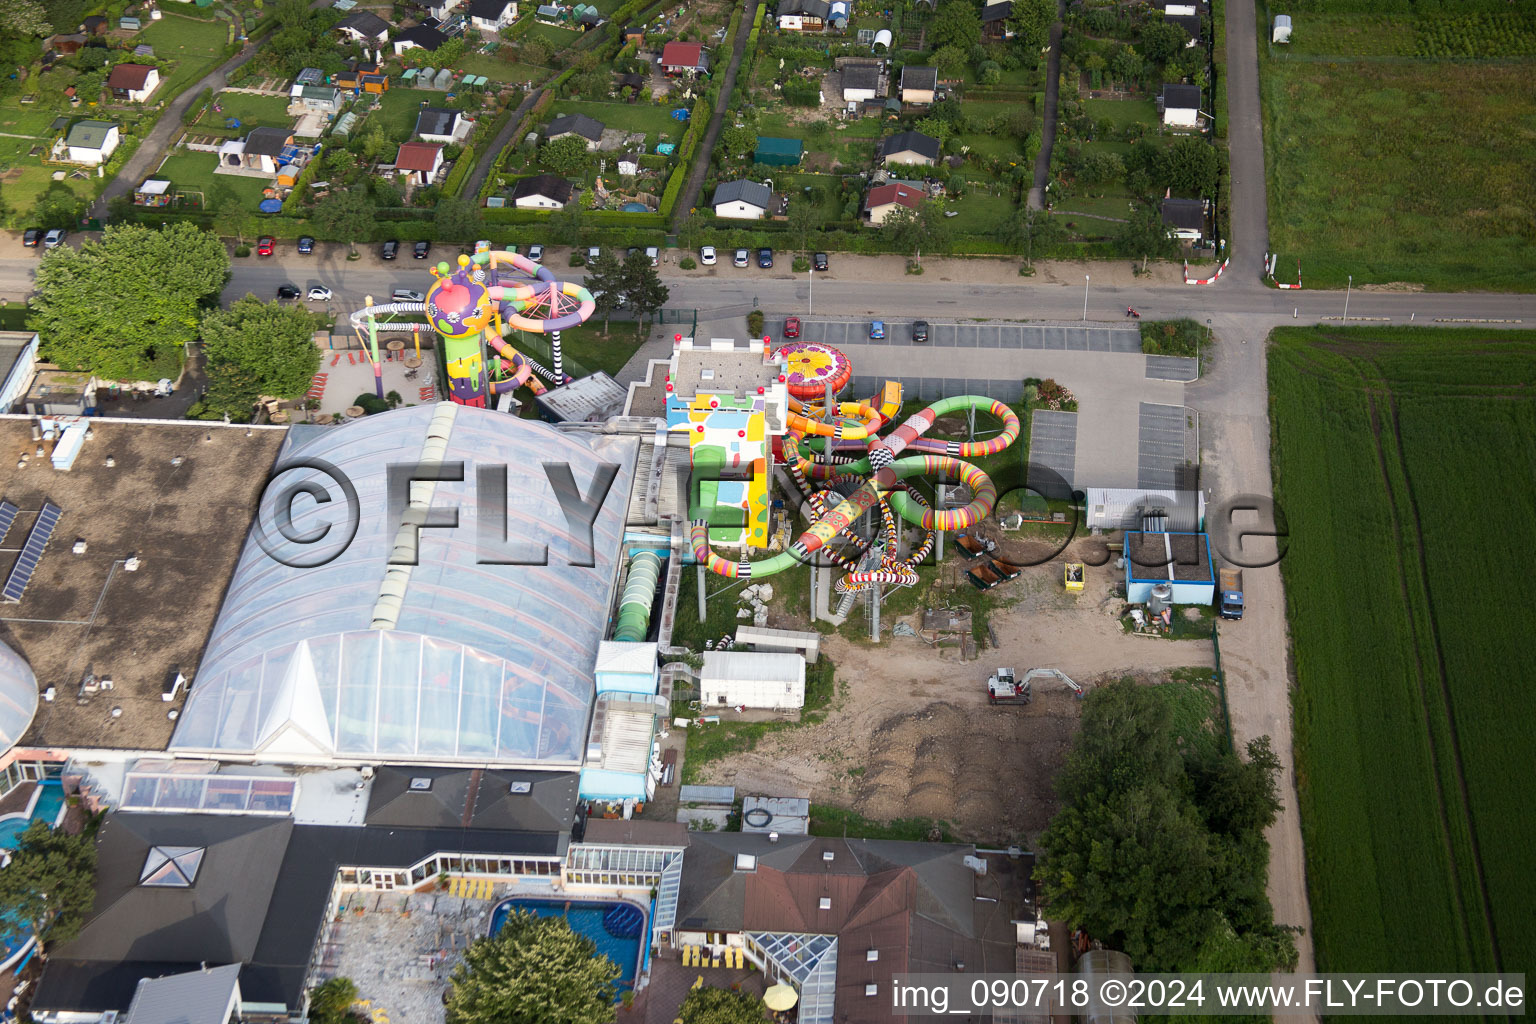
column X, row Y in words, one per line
column 686, row 263
column 801, row 265
column 755, row 323
column 578, row 259
column 242, row 250
column 371, row 403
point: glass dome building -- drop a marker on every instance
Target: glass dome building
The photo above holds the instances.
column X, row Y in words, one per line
column 452, row 659
column 18, row 697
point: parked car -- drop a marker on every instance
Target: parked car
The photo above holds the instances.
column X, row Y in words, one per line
column 631, row 251
column 54, row 238
column 920, row 330
column 765, row 258
column 390, row 249
column 319, row 293
column 536, row 253
column 594, row 253
column 653, row 254
column 31, row 237
column 421, row 250
column 406, row 295
column 743, row 258
column 306, row 245
column 707, row 255
column 618, row 300
column 287, row 291
column 792, row 327
column 819, row 261
column 876, row 330
column 265, row 245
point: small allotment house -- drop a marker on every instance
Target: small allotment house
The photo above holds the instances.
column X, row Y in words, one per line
column 684, row 59
column 918, row 84
column 133, row 82
column 778, row 152
column 744, row 678
column 1184, row 219
column 861, row 83
column 589, row 129
column 909, row 148
column 1181, row 106
column 742, row 200
column 92, row 142
column 419, row 162
column 542, row 192
column 1181, row 561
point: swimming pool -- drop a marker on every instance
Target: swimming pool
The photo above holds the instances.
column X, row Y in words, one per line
column 587, row 918
column 47, row 805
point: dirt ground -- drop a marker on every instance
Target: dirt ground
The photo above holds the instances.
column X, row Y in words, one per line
column 910, row 733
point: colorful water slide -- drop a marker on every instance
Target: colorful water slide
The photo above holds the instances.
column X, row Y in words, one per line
column 634, row 618
column 886, row 470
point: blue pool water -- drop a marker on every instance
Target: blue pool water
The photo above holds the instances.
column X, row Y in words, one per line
column 49, row 802
column 586, row 918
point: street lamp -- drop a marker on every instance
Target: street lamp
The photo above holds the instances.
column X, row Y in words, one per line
column 1085, row 298
column 810, row 287
column 1347, row 287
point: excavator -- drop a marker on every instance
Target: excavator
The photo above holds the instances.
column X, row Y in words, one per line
column 1004, row 687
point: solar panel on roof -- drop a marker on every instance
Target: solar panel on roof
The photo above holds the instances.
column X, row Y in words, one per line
column 32, row 552
column 7, row 517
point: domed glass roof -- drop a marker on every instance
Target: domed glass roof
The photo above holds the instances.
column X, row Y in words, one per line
column 18, row 697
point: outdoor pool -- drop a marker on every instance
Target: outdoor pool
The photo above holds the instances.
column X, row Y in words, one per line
column 592, row 920
column 47, row 805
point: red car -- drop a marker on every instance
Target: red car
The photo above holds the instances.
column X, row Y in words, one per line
column 792, row 327
column 264, row 245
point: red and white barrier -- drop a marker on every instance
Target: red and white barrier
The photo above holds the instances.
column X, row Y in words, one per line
column 1279, row 284
column 1209, row 280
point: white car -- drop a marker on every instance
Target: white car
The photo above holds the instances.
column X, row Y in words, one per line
column 406, row 295
column 707, row 255
column 593, row 254
column 319, row 293
column 743, row 258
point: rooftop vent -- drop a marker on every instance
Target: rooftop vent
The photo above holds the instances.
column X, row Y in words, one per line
column 871, row 989
column 746, row 862
column 707, row 373
column 825, row 903
column 872, row 955
column 420, row 784
column 828, row 855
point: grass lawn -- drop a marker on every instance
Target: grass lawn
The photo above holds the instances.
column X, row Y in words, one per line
column 32, row 119
column 980, row 213
column 1414, row 688
column 1122, row 112
column 583, row 349
column 1118, row 205
column 252, row 111
column 992, row 145
column 831, row 205
column 655, row 121
column 1354, row 35
column 498, row 70
column 194, row 171
column 1417, row 172
column 197, row 47
column 555, row 36
column 21, row 193
column 399, row 108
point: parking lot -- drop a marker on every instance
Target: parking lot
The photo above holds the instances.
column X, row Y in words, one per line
column 941, row 334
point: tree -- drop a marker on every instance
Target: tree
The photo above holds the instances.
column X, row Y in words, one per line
column 534, row 970
column 50, row 881
column 458, row 219
column 566, row 221
column 257, row 348
column 803, row 222
column 642, row 285
column 229, row 218
column 738, row 140
column 1031, row 22
column 24, row 18
column 913, row 231
column 125, row 307
column 566, row 156
column 1159, row 848
column 1031, row 228
column 605, row 280
column 1190, row 167
column 955, row 23
column 989, row 72
column 347, row 214
column 950, row 60
column 1126, row 65
column 936, row 127
column 331, row 1002
column 1021, row 122
column 58, row 207
column 1100, row 166
column 719, row 1006
column 1161, row 41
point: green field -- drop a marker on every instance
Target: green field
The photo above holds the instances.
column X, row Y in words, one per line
column 1122, row 112
column 1403, row 462
column 192, row 171
column 251, row 111
column 197, row 47
column 1400, row 170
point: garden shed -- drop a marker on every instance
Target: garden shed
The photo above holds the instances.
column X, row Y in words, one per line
column 752, row 679
column 778, row 152
column 1282, row 31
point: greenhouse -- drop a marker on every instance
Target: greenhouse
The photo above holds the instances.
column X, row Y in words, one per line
column 460, row 656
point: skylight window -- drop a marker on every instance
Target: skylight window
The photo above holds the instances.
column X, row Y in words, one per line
column 172, row 866
column 420, row 784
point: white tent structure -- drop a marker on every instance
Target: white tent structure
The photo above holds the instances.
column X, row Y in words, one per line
column 455, row 658
column 1282, row 32
column 740, row 678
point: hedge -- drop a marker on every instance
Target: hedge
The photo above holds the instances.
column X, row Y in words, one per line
column 461, row 168
column 698, row 124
